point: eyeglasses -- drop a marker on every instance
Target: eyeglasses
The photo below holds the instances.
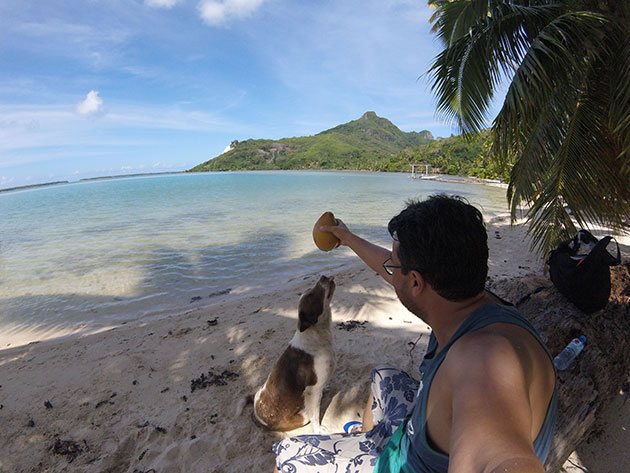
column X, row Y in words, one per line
column 389, row 268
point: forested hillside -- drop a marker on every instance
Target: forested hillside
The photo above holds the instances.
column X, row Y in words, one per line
column 369, row 143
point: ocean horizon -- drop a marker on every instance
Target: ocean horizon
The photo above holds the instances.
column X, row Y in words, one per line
column 90, row 254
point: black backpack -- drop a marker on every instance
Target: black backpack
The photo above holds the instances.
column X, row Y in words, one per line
column 584, row 280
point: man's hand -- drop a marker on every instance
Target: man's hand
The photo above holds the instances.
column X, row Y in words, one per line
column 340, row 231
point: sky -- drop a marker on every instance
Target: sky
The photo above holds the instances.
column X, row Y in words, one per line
column 102, row 87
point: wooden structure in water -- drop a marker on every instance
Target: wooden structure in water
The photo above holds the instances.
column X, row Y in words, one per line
column 416, row 175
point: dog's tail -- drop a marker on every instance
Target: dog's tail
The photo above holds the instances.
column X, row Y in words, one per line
column 244, row 402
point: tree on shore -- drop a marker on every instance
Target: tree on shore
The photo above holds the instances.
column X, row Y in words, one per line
column 565, row 121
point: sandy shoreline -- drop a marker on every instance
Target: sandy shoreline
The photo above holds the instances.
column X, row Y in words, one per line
column 122, row 401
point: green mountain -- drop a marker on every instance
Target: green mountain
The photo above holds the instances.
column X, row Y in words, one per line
column 371, row 143
column 359, row 144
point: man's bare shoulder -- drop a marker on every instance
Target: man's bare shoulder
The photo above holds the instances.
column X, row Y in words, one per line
column 499, row 361
column 494, row 353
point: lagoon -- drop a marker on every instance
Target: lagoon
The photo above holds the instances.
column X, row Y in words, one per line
column 99, row 253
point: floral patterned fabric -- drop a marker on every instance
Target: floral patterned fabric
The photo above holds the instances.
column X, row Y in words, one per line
column 394, row 393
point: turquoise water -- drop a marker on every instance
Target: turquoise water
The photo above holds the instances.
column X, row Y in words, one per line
column 103, row 252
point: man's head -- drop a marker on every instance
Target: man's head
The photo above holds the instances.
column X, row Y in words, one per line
column 444, row 239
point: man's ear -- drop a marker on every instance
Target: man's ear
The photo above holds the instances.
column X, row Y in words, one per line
column 418, row 283
column 306, row 318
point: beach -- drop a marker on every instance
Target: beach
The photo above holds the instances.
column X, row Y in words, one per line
column 160, row 395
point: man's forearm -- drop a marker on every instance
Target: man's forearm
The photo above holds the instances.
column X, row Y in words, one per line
column 373, row 255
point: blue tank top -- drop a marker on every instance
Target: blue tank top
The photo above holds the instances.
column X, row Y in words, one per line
column 413, row 451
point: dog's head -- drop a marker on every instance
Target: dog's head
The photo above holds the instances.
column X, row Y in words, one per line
column 582, row 243
column 315, row 302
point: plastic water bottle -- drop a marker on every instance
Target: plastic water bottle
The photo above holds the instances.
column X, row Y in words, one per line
column 570, row 352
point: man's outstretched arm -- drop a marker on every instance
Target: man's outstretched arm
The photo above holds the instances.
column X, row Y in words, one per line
column 492, row 418
column 372, row 255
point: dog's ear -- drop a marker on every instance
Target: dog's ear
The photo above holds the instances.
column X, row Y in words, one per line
column 311, row 307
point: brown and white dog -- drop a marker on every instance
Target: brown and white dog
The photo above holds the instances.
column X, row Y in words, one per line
column 291, row 396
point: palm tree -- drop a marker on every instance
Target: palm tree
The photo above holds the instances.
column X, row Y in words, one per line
column 565, row 121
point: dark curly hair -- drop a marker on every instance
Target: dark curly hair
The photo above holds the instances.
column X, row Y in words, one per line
column 444, row 239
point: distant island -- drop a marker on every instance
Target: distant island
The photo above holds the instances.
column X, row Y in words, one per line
column 122, row 176
column 370, row 143
column 98, row 178
column 33, row 186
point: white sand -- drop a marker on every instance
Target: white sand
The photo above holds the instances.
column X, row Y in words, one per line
column 124, row 395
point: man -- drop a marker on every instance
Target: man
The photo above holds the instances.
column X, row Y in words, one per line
column 486, row 402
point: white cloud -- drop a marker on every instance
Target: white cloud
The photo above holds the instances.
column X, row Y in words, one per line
column 92, row 105
column 161, row 3
column 217, row 12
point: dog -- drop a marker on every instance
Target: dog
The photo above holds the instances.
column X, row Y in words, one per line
column 581, row 245
column 292, row 393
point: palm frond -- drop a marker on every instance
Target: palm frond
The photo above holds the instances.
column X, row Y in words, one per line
column 467, row 73
column 582, row 182
column 453, row 19
column 534, row 148
column 555, row 118
column 534, row 115
column 554, row 58
column 620, row 106
column 565, row 120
